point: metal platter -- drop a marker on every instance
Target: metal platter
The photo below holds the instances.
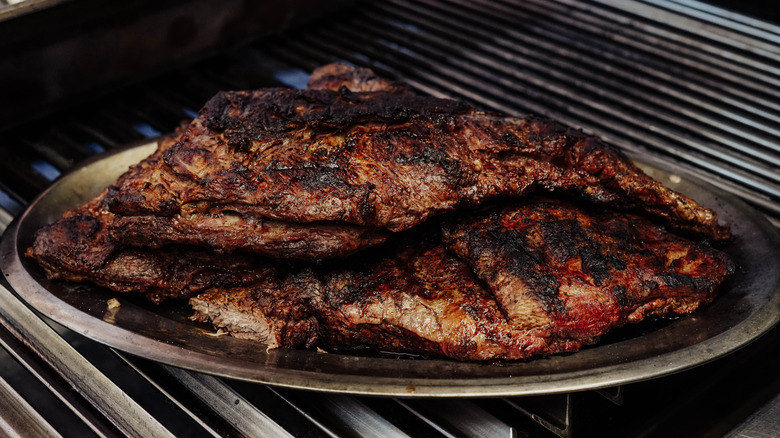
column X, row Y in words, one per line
column 748, row 306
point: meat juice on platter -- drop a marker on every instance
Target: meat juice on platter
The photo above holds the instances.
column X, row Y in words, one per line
column 357, row 214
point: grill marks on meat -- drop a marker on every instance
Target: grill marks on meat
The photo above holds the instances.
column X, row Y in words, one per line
column 507, row 283
column 286, row 155
column 371, row 159
column 423, row 300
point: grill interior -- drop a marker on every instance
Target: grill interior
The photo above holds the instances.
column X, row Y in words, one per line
column 682, row 84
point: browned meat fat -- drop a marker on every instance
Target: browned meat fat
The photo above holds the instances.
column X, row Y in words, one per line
column 335, row 76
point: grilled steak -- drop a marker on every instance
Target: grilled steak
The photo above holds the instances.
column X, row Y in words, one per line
column 77, row 247
column 80, row 246
column 363, row 163
column 583, row 273
column 420, row 300
column 274, row 310
column 507, row 283
column 356, row 162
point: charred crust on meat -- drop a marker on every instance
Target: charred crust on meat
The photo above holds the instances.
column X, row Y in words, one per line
column 675, row 280
column 510, row 138
column 540, row 242
column 547, row 287
column 619, row 292
column 81, row 227
column 243, row 114
column 394, row 141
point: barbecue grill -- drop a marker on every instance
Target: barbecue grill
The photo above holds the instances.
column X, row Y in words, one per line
column 684, row 85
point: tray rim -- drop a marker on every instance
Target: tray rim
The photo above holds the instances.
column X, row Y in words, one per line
column 120, row 338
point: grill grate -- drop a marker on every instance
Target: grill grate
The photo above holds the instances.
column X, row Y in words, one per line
column 680, row 83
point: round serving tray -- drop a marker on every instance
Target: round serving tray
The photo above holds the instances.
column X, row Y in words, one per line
column 747, row 307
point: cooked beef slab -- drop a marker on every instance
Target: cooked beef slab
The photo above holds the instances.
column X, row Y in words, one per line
column 352, row 165
column 420, row 300
column 510, row 282
column 78, row 247
column 359, row 163
column 583, row 272
column 82, row 245
column 325, row 172
column 276, row 310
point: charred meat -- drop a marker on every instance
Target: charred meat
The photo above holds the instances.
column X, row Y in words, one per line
column 458, row 256
column 583, row 272
column 359, row 164
column 512, row 282
column 420, row 300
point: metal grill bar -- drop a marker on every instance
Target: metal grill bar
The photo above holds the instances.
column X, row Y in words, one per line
column 247, row 419
column 459, row 418
column 596, row 85
column 125, row 413
column 676, row 82
column 20, row 416
column 29, row 367
column 689, row 19
column 340, row 415
column 747, row 24
column 615, row 100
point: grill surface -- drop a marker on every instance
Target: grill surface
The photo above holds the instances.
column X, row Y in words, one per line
column 679, row 83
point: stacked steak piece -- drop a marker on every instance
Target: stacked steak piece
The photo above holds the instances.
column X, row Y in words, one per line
column 356, row 214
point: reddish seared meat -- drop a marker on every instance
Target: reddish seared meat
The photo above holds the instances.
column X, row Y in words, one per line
column 419, row 300
column 581, row 272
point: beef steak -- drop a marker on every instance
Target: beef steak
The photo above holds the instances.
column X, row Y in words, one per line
column 510, row 282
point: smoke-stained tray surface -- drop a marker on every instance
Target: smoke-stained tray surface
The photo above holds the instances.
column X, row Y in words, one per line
column 748, row 305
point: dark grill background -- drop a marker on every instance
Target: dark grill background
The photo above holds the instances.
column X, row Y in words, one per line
column 683, row 84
